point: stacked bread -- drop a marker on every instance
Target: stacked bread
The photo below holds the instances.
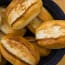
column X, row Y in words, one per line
column 19, row 48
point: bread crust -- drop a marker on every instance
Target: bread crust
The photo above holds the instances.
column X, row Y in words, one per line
column 9, row 57
column 22, row 12
column 51, row 34
column 20, row 48
column 44, row 15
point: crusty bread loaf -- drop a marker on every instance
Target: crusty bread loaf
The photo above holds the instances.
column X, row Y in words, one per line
column 44, row 15
column 16, row 47
column 12, row 59
column 51, row 34
column 21, row 12
column 6, row 28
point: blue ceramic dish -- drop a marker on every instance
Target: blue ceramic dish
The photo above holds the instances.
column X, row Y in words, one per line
column 54, row 9
column 53, row 58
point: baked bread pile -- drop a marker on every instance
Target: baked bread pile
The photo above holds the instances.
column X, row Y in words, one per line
column 22, row 47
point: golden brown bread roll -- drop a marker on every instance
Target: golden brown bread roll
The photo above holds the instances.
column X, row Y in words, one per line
column 16, row 48
column 6, row 28
column 34, row 24
column 51, row 34
column 44, row 15
column 43, row 51
column 20, row 12
column 10, row 57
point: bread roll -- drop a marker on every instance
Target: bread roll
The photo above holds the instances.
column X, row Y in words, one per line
column 44, row 15
column 43, row 51
column 20, row 12
column 12, row 59
column 34, row 24
column 17, row 49
column 51, row 34
column 6, row 28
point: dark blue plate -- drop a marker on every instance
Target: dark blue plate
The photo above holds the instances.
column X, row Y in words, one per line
column 54, row 9
column 53, row 58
